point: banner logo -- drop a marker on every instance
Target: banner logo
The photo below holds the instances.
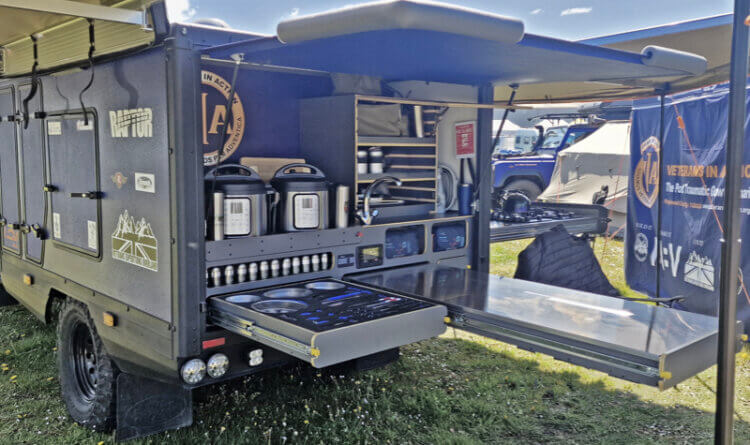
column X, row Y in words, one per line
column 640, row 247
column 214, row 116
column 646, row 175
column 699, row 271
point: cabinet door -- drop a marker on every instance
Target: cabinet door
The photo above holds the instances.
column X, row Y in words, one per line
column 32, row 160
column 9, row 175
column 73, row 171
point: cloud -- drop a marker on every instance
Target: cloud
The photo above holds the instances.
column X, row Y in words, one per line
column 574, row 11
column 180, row 10
column 294, row 13
column 536, row 11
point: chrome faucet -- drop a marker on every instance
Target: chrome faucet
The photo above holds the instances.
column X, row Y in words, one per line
column 365, row 215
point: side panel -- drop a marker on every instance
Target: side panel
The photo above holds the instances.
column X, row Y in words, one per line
column 128, row 97
column 32, row 160
column 11, row 211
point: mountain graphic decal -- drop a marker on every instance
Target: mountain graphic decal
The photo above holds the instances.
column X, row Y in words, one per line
column 135, row 243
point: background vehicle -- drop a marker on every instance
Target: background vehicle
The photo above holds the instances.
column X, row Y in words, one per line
column 530, row 173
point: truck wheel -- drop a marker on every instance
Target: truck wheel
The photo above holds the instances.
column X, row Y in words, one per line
column 87, row 374
column 5, row 298
column 528, row 188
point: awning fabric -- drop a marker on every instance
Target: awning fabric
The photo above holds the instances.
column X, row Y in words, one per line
column 64, row 39
column 420, row 49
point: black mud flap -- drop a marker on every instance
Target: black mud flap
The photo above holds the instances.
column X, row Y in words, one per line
column 146, row 407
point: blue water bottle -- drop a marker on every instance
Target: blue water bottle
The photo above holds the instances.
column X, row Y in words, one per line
column 465, row 194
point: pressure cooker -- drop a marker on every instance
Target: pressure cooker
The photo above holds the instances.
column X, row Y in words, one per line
column 303, row 203
column 240, row 202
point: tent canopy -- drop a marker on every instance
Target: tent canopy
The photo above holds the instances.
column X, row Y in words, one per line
column 601, row 159
column 62, row 32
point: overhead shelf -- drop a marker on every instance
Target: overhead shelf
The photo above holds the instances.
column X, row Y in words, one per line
column 395, row 141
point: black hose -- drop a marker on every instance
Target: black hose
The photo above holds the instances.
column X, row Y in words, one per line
column 92, row 48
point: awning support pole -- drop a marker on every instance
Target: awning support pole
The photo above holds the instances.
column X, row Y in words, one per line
column 505, row 116
column 481, row 228
column 730, row 247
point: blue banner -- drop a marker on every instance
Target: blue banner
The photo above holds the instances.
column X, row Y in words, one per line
column 693, row 153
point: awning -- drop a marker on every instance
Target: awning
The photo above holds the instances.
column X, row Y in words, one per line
column 408, row 40
column 63, row 38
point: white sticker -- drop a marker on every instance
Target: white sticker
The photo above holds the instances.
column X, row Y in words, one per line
column 145, row 182
column 54, row 128
column 56, row 225
column 82, row 126
column 306, row 211
column 93, row 235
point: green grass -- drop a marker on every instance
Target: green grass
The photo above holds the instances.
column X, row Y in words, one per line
column 458, row 389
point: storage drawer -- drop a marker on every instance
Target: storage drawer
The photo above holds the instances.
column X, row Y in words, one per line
column 328, row 321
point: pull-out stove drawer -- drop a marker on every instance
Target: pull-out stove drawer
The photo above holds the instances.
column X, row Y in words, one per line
column 326, row 322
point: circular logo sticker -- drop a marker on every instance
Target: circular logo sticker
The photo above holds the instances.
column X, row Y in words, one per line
column 640, row 247
column 214, row 111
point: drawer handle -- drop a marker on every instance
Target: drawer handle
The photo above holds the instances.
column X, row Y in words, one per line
column 89, row 195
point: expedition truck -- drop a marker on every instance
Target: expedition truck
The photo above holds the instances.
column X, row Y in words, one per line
column 192, row 204
column 530, row 172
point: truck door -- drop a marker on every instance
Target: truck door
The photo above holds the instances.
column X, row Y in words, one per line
column 642, row 343
column 32, row 160
column 11, row 215
column 74, row 182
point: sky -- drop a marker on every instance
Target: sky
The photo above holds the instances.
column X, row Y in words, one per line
column 566, row 19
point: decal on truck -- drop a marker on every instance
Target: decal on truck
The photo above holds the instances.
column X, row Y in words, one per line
column 135, row 243
column 214, row 112
column 119, row 180
column 132, row 123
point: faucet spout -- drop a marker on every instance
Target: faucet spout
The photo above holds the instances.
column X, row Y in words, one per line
column 365, row 215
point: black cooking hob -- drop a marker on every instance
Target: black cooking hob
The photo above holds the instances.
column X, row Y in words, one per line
column 324, row 305
column 534, row 214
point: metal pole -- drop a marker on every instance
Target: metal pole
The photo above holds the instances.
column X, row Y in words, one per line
column 730, row 248
column 505, row 116
column 660, row 197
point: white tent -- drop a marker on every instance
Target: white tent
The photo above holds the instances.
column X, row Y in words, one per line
column 603, row 158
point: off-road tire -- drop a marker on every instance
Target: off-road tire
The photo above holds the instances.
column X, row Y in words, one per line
column 90, row 401
column 529, row 188
column 5, row 298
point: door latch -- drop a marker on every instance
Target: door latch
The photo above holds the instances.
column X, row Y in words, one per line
column 14, row 226
column 25, row 228
column 49, row 188
column 89, row 195
column 38, row 231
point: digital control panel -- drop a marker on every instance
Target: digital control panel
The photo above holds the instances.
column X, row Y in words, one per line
column 369, row 256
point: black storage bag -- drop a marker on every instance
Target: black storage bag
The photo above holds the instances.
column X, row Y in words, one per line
column 559, row 259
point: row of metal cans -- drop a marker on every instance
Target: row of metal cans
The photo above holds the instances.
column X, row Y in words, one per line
column 263, row 270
